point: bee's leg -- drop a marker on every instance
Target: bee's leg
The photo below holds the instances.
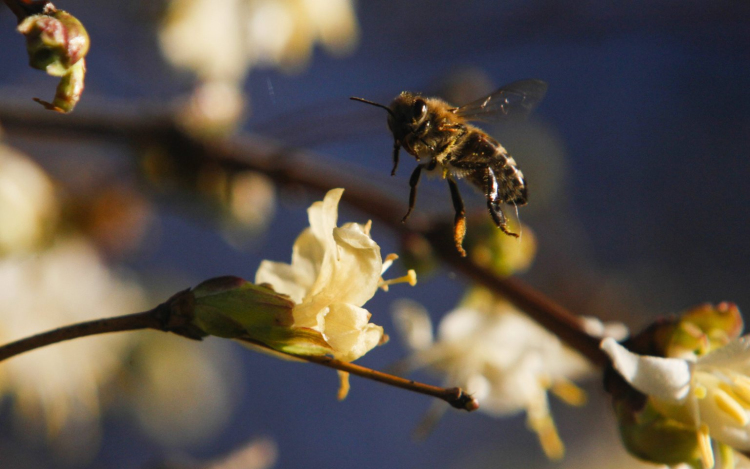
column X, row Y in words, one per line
column 413, row 183
column 493, row 206
column 459, row 222
column 396, row 148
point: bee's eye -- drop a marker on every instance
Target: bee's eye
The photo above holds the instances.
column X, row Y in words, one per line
column 419, row 109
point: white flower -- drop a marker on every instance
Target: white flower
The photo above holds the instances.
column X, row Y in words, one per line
column 220, row 41
column 710, row 393
column 334, row 271
column 59, row 385
column 503, row 358
column 27, row 202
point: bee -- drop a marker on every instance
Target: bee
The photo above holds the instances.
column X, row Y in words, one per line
column 436, row 133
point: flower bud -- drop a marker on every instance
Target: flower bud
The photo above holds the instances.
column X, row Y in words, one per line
column 680, row 387
column 55, row 40
column 505, row 255
column 68, row 91
column 57, row 43
column 234, row 308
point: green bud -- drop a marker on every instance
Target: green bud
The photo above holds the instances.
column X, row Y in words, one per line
column 55, row 40
column 704, row 328
column 655, row 430
column 652, row 437
column 57, row 43
column 69, row 90
column 234, row 308
column 505, row 255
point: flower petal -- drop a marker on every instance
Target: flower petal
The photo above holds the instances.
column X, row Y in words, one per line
column 413, row 324
column 282, row 277
column 663, row 378
column 349, row 333
column 736, row 354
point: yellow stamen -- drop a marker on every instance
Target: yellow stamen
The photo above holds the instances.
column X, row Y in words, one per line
column 704, row 446
column 735, row 392
column 388, row 262
column 549, row 439
column 742, row 387
column 410, row 278
column 700, row 391
column 343, row 385
column 730, row 407
column 368, row 227
column 569, row 393
column 726, row 453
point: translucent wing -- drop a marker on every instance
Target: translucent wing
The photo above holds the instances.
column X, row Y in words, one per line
column 511, row 101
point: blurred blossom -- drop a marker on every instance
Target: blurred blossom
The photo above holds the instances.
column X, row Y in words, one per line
column 251, row 202
column 115, row 217
column 696, row 383
column 258, row 454
column 59, row 386
column 491, row 248
column 182, row 392
column 499, row 355
column 28, row 208
column 220, row 41
column 334, row 272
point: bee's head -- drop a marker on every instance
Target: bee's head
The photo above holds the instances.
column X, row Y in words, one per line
column 408, row 113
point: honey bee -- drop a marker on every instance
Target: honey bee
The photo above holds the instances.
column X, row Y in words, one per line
column 434, row 131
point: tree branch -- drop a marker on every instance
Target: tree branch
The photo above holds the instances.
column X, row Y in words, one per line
column 131, row 322
column 292, row 167
column 166, row 318
column 25, row 8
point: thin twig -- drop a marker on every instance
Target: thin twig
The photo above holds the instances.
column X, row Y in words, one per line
column 163, row 319
column 294, row 167
column 25, row 8
column 131, row 322
column 456, row 397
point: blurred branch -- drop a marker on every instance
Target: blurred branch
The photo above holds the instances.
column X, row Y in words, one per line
column 25, row 8
column 293, row 167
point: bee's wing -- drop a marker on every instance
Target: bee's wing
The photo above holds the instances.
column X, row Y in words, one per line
column 511, row 101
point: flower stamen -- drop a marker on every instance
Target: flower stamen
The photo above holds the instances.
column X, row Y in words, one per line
column 388, row 262
column 410, row 278
column 731, row 407
column 704, row 446
column 549, row 439
column 569, row 393
column 742, row 387
column 734, row 394
column 343, row 385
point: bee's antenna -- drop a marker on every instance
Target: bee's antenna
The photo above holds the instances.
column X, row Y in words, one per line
column 374, row 104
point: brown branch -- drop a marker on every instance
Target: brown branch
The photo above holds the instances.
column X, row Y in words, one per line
column 456, row 397
column 131, row 322
column 167, row 318
column 293, row 167
column 25, row 8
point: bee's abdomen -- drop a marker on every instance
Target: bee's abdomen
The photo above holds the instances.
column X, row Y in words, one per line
column 478, row 153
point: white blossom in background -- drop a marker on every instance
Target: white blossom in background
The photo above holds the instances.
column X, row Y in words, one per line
column 500, row 356
column 221, row 40
column 709, row 394
column 333, row 273
column 28, row 208
column 59, row 386
column 182, row 392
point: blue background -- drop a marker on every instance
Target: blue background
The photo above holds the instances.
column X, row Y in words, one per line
column 649, row 106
